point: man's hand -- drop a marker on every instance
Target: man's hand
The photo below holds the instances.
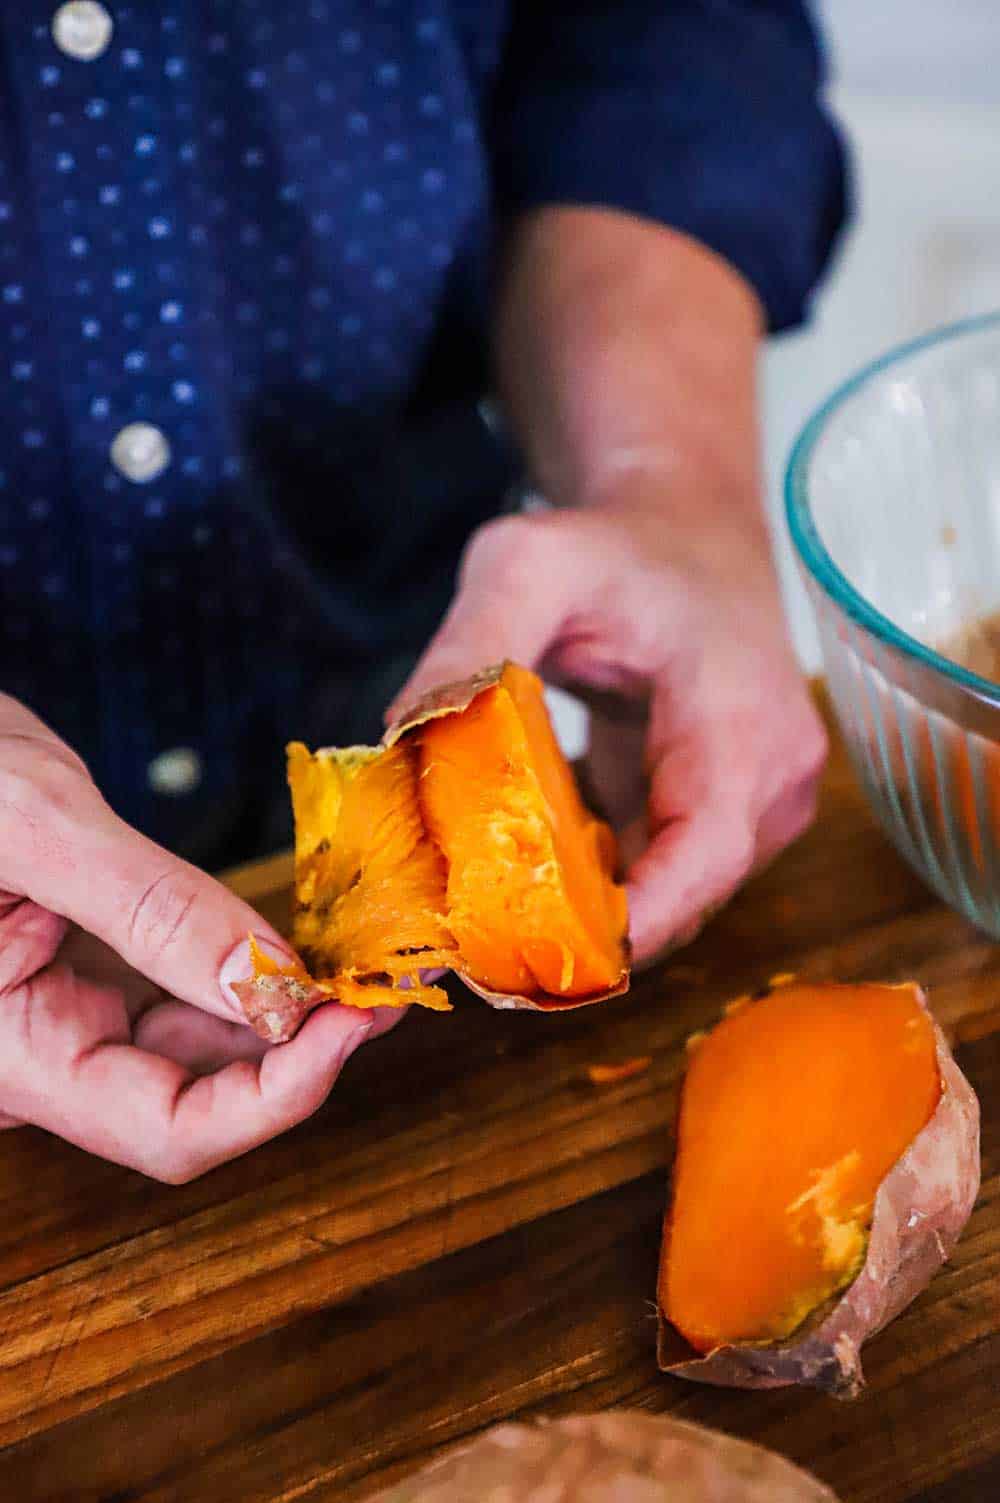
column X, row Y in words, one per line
column 118, row 1026
column 710, row 766
column 627, row 357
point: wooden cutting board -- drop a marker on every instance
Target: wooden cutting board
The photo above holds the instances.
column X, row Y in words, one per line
column 468, row 1230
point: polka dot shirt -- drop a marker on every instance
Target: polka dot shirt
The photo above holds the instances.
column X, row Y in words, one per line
column 244, row 268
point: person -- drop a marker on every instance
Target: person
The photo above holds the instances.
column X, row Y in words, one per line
column 295, row 302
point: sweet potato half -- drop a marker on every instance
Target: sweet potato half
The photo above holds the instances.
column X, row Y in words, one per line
column 460, row 843
column 623, row 1456
column 827, row 1161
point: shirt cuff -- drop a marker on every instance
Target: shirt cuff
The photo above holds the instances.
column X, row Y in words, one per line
column 740, row 154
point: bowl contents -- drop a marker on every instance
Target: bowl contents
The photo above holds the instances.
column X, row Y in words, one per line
column 977, row 648
column 461, row 842
column 622, row 1455
column 827, row 1161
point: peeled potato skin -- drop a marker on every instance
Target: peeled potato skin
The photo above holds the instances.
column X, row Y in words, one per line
column 622, row 1455
column 446, row 699
column 920, row 1209
column 275, row 1006
column 544, row 1001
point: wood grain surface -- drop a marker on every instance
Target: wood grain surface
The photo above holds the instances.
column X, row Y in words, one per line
column 468, row 1231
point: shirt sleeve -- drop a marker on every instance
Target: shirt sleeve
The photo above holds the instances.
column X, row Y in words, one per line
column 706, row 115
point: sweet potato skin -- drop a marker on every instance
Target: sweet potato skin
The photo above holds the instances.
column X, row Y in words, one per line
column 625, row 1455
column 543, row 1001
column 920, row 1210
column 445, row 699
column 276, row 1006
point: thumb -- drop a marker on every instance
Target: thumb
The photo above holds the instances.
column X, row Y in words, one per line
column 65, row 850
column 514, row 593
column 164, row 917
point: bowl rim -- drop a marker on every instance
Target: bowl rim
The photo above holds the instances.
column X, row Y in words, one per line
column 809, row 545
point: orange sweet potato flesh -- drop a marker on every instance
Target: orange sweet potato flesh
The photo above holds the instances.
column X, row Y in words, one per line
column 369, row 885
column 531, row 897
column 793, row 1111
column 460, row 843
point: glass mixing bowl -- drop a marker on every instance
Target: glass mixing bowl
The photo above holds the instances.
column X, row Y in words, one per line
column 893, row 499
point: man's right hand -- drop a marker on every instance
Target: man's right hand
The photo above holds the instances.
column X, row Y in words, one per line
column 119, row 1030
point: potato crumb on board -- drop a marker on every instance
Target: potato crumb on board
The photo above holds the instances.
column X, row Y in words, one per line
column 609, row 1074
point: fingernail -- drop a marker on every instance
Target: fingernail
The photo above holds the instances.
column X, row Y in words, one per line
column 427, row 976
column 238, row 966
column 355, row 1039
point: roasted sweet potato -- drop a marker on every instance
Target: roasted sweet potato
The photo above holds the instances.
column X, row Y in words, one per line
column 827, row 1161
column 620, row 1457
column 460, row 843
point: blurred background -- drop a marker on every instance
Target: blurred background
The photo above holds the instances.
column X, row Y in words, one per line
column 916, row 86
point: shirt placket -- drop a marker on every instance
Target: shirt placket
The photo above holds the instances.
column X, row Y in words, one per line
column 107, row 105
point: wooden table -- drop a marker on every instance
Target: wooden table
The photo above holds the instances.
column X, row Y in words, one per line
column 467, row 1231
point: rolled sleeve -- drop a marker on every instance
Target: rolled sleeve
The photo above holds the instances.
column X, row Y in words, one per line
column 706, row 115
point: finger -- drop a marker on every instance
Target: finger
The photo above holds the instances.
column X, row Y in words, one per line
column 788, row 817
column 202, row 1043
column 614, row 770
column 502, row 608
column 69, row 1066
column 166, row 919
column 687, row 871
column 195, row 1039
column 633, row 840
column 546, row 591
column 702, row 838
column 63, row 847
column 95, row 961
column 29, row 938
column 656, row 933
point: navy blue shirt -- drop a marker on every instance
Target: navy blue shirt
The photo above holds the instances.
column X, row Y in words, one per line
column 262, row 231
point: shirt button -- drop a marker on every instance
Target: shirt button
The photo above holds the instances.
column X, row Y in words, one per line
column 140, row 452
column 175, row 772
column 489, row 416
column 82, row 29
